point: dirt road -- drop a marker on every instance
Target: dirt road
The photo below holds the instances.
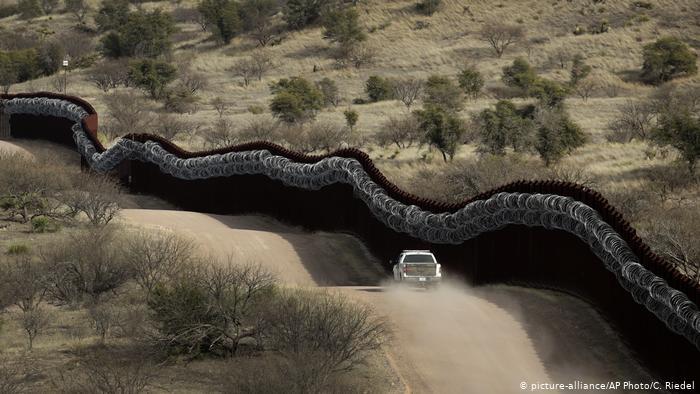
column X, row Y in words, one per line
column 452, row 340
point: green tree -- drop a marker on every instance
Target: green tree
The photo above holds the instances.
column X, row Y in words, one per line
column 378, row 88
column 519, row 75
column 144, row 34
column 579, row 70
column 29, row 9
column 112, row 14
column 152, row 76
column 440, row 91
column 342, row 26
column 223, row 16
column 351, row 118
column 501, row 127
column 557, row 135
column 256, row 16
column 329, row 89
column 667, row 58
column 550, row 93
column 428, row 7
column 471, row 81
column 681, row 130
column 301, row 13
column 442, row 129
column 295, row 99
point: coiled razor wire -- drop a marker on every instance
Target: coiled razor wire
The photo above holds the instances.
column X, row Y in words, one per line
column 543, row 210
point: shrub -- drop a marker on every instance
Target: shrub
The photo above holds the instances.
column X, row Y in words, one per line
column 127, row 113
column 428, row 7
column 223, row 17
column 329, row 90
column 7, row 10
column 79, row 9
column 441, row 92
column 471, row 81
column 666, row 59
column 152, row 76
column 378, row 88
column 42, row 224
column 211, row 310
column 442, row 129
column 48, row 6
column 17, row 249
column 635, row 120
column 351, row 118
column 143, row 34
column 520, row 75
column 109, row 75
column 681, row 130
column 180, row 99
column 295, row 99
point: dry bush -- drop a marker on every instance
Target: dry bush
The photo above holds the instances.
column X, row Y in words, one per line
column 673, row 233
column 220, row 106
column 260, row 129
column 28, row 188
column 323, row 334
column 635, row 120
column 109, row 75
column 211, row 310
column 327, row 136
column 157, row 257
column 359, row 56
column 85, row 264
column 33, row 322
column 220, row 134
column 23, row 282
column 103, row 317
column 12, row 376
column 106, row 371
column 256, row 66
column 95, row 195
column 586, row 88
column 403, row 131
column 500, row 36
column 407, row 90
column 170, row 126
column 127, row 113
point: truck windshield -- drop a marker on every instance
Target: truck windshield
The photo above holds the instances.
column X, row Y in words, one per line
column 418, row 258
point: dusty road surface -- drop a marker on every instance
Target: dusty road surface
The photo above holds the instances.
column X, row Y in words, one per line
column 449, row 340
column 10, row 147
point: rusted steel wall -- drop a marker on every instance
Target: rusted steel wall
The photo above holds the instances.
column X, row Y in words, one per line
column 515, row 254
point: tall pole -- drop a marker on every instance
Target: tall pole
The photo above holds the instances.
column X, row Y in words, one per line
column 65, row 75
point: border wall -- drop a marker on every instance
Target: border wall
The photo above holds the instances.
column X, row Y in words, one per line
column 515, row 253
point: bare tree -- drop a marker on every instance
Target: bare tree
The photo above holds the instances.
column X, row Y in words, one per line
column 33, row 322
column 95, row 195
column 79, row 9
column 85, row 263
column 103, row 317
column 171, row 126
column 157, row 257
column 108, row 75
column 673, row 234
column 193, row 81
column 635, row 120
column 408, row 90
column 256, row 66
column 586, row 87
column 219, row 105
column 23, row 283
column 260, row 129
column 220, row 134
column 127, row 113
column 402, row 131
column 500, row 36
column 561, row 56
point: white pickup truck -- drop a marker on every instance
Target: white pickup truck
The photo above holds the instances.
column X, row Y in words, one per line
column 417, row 267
